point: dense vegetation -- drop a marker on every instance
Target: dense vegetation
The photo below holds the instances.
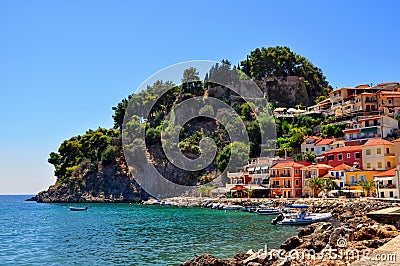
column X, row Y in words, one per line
column 101, row 147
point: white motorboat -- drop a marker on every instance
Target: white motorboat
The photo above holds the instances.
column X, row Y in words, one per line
column 232, row 207
column 300, row 218
column 268, row 211
column 152, row 201
column 304, row 219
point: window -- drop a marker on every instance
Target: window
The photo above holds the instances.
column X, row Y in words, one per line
column 391, row 194
column 314, row 173
column 378, row 150
column 390, row 101
column 340, row 157
column 330, row 157
column 352, row 180
column 312, row 149
column 379, row 164
column 387, row 150
column 368, row 152
column 389, row 164
column 306, row 149
column 348, row 155
column 362, row 178
column 297, row 171
column 323, row 148
column 368, row 165
column 357, row 155
column 297, row 182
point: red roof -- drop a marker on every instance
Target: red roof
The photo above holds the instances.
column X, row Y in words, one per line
column 287, row 164
column 376, row 142
column 396, row 140
column 325, row 142
column 313, row 138
column 343, row 167
column 345, row 149
column 391, row 172
column 319, row 166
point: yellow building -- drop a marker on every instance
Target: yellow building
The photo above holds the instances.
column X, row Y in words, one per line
column 352, row 177
column 378, row 154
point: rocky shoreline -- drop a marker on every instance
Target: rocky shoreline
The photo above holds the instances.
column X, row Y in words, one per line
column 349, row 236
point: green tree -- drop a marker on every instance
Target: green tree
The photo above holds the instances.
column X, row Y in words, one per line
column 366, row 186
column 316, row 184
column 309, row 157
column 237, row 152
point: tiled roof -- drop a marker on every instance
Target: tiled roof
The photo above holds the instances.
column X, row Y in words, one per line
column 325, row 142
column 345, row 149
column 391, row 172
column 287, row 164
column 313, row 138
column 396, row 140
column 343, row 167
column 376, row 142
column 319, row 166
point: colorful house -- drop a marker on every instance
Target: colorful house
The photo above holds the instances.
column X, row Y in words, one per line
column 317, row 145
column 353, row 177
column 338, row 174
column 367, row 127
column 378, row 154
column 350, row 155
column 285, row 179
column 311, row 171
column 387, row 184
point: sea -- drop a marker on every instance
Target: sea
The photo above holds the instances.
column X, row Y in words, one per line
column 127, row 234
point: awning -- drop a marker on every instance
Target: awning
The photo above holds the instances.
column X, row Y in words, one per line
column 258, row 168
column 251, row 169
column 264, row 168
column 320, row 157
column 383, row 178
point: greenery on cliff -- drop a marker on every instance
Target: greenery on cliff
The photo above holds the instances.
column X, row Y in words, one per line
column 98, row 148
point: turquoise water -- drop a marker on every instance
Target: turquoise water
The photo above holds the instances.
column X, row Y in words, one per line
column 126, row 234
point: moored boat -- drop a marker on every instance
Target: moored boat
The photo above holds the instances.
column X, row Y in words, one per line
column 232, row 207
column 268, row 211
column 78, row 208
column 300, row 218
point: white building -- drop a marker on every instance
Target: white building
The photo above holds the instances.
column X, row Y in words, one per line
column 387, row 184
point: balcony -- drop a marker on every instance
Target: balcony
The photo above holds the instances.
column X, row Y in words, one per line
column 285, row 175
column 275, row 186
column 389, row 186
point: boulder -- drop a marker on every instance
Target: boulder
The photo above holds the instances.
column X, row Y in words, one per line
column 291, row 243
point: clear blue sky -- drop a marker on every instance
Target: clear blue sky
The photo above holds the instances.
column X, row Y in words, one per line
column 64, row 64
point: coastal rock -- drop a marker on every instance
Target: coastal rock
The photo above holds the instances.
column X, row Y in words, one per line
column 205, row 260
column 291, row 243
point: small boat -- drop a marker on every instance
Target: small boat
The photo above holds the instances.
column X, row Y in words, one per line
column 216, row 206
column 232, row 208
column 78, row 208
column 169, row 203
column 269, row 211
column 152, row 201
column 251, row 209
column 305, row 219
column 300, row 218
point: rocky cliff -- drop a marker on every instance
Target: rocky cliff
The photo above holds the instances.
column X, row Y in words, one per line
column 110, row 183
